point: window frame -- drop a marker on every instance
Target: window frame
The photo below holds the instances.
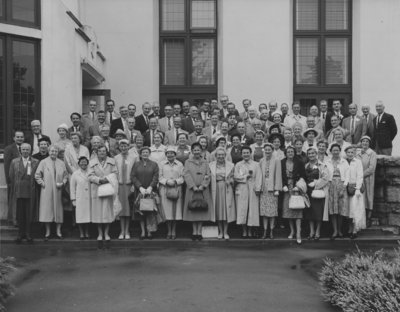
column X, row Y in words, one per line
column 8, row 84
column 187, row 35
column 322, row 34
column 7, row 18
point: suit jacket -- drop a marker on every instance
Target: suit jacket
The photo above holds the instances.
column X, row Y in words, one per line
column 370, row 125
column 94, row 130
column 87, row 121
column 188, row 125
column 112, row 147
column 10, row 152
column 147, row 137
column 328, row 125
column 30, row 136
column 170, row 136
column 115, row 125
column 223, row 115
column 135, row 134
column 208, row 132
column 163, row 124
column 360, row 128
column 114, row 114
column 193, row 137
column 385, row 131
column 83, row 131
column 141, row 124
column 247, row 140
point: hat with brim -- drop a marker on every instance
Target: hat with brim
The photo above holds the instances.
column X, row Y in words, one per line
column 365, row 137
column 144, row 148
column 170, row 149
column 276, row 113
column 305, row 133
column 124, row 141
column 62, row 126
column 120, row 132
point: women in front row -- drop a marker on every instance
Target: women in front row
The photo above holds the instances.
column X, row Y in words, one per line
column 81, row 197
column 197, row 178
column 292, row 172
column 124, row 162
column 271, row 184
column 337, row 198
column 222, row 192
column 248, row 178
column 171, row 195
column 317, row 177
column 52, row 176
column 102, row 170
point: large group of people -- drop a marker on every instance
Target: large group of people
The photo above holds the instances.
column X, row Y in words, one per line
column 261, row 167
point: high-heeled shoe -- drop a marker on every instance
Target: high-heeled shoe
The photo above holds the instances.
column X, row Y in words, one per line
column 271, row 234
column 46, row 238
column 298, row 241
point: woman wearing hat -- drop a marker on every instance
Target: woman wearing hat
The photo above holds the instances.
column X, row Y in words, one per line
column 368, row 160
column 124, row 162
column 257, row 147
column 197, row 178
column 171, row 181
column 234, row 153
column 158, row 149
column 277, row 121
column 310, row 139
column 222, row 191
column 182, row 150
column 271, row 177
column 63, row 140
column 144, row 176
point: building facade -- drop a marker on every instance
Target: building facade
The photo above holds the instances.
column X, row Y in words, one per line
column 56, row 55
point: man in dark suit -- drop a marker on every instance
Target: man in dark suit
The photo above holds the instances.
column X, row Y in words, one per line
column 385, row 130
column 188, row 123
column 149, row 134
column 23, row 184
column 355, row 125
column 11, row 152
column 119, row 123
column 369, row 118
column 142, row 121
column 33, row 137
column 77, row 126
column 337, row 107
column 111, row 114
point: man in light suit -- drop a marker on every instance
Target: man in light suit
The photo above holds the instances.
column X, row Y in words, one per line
column 369, row 118
column 323, row 110
column 111, row 113
column 90, row 117
column 204, row 113
column 246, row 104
column 110, row 143
column 149, row 134
column 95, row 129
column 170, row 137
column 355, row 125
column 198, row 132
column 131, row 132
column 214, row 127
column 166, row 123
column 385, row 130
column 318, row 121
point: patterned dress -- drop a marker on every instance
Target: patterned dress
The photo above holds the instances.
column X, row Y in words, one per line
column 221, row 213
column 268, row 202
column 286, row 212
column 338, row 203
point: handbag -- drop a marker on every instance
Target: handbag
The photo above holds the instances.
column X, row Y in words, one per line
column 296, row 201
column 172, row 193
column 351, row 189
column 147, row 204
column 105, row 190
column 198, row 202
column 318, row 194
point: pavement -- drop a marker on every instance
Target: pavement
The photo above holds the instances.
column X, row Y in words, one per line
column 160, row 275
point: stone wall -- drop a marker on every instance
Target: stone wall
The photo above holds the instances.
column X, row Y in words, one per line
column 387, row 191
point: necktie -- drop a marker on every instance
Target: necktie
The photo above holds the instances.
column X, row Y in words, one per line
column 131, row 137
column 176, row 135
column 169, row 123
column 151, row 137
column 352, row 125
column 147, row 120
column 19, row 149
column 378, row 119
column 323, row 115
column 214, row 130
column 92, row 114
column 110, row 118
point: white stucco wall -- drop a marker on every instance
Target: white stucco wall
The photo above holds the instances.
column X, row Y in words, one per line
column 255, row 50
column 376, row 56
column 128, row 33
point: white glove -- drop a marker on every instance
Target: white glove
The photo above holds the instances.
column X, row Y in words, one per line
column 312, row 184
column 276, row 193
column 142, row 191
column 148, row 190
column 285, row 189
column 358, row 193
column 74, row 203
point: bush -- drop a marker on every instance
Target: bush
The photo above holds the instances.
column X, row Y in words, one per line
column 6, row 289
column 363, row 282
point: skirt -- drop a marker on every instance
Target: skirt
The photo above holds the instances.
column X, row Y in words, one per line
column 288, row 213
column 338, row 202
column 268, row 204
column 123, row 195
column 357, row 212
column 316, row 210
column 220, row 202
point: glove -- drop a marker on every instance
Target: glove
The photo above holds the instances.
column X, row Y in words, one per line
column 285, row 189
column 74, row 203
column 276, row 193
column 312, row 184
column 148, row 190
column 358, row 193
column 142, row 191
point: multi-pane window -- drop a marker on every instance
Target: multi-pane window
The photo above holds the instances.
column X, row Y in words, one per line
column 19, row 85
column 20, row 12
column 188, row 48
column 322, row 47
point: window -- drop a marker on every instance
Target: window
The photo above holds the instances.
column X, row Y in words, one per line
column 20, row 12
column 19, row 85
column 322, row 50
column 188, row 49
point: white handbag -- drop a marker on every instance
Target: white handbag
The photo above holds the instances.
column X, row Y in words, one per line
column 105, row 190
column 296, row 202
column 318, row 194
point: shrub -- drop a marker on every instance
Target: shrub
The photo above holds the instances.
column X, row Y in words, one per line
column 6, row 289
column 363, row 282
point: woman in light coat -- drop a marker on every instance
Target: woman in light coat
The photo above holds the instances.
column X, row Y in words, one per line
column 171, row 176
column 356, row 201
column 271, row 185
column 73, row 152
column 222, row 191
column 80, row 197
column 368, row 160
column 248, row 178
column 103, row 170
column 124, row 162
column 52, row 176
